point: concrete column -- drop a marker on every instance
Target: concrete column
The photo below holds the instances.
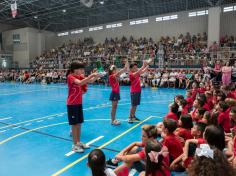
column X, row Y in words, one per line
column 214, row 14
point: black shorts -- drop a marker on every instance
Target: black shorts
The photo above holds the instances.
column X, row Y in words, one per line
column 75, row 114
column 114, row 96
column 135, row 98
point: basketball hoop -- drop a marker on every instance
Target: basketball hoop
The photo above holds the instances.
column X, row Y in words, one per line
column 14, row 9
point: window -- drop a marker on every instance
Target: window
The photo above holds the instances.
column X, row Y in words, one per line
column 198, row 13
column 95, row 28
column 229, row 9
column 139, row 22
column 114, row 25
column 62, row 34
column 166, row 18
column 77, row 31
column 16, row 38
column 192, row 14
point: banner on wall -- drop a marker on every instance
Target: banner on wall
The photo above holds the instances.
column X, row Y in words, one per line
column 14, row 9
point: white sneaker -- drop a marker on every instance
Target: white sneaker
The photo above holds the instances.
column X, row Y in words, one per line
column 77, row 149
column 84, row 146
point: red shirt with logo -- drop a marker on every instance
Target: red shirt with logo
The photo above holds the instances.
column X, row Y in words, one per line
column 75, row 91
column 135, row 82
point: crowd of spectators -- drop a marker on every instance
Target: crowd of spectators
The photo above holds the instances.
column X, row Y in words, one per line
column 113, row 50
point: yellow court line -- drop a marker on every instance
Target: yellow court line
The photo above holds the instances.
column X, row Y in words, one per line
column 20, row 134
column 45, row 117
column 102, row 146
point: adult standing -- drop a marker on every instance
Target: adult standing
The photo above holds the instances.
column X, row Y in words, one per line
column 226, row 74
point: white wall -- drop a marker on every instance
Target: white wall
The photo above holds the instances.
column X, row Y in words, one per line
column 32, row 44
column 228, row 23
column 153, row 29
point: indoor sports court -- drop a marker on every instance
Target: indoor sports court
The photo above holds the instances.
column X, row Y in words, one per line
column 118, row 87
column 34, row 126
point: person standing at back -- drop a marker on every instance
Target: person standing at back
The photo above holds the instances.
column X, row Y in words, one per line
column 135, row 88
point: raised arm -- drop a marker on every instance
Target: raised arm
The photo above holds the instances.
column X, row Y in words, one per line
column 85, row 80
column 141, row 69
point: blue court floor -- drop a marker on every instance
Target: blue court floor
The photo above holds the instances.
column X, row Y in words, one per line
column 34, row 133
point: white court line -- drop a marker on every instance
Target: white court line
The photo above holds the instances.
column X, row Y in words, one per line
column 89, row 143
column 40, row 121
column 6, row 118
column 16, row 127
column 21, row 92
column 3, row 131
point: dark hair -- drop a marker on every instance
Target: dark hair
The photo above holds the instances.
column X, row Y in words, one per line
column 201, row 111
column 214, row 118
column 187, row 121
column 208, row 167
column 170, row 124
column 151, row 131
column 207, row 114
column 223, row 106
column 201, row 126
column 215, row 137
column 190, row 92
column 200, row 102
column 174, row 108
column 222, row 95
column 97, row 162
column 202, row 97
column 180, row 97
column 183, row 102
column 132, row 65
column 73, row 66
column 151, row 167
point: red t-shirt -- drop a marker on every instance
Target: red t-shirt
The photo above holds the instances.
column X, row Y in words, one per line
column 174, row 145
column 224, row 120
column 114, row 84
column 231, row 94
column 190, row 102
column 194, row 93
column 184, row 133
column 210, row 102
column 201, row 90
column 201, row 141
column 172, row 115
column 193, row 115
column 135, row 83
column 184, row 110
column 206, row 107
column 75, row 92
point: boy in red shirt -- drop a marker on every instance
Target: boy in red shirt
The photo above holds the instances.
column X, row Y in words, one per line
column 135, row 88
column 170, row 140
column 197, row 132
column 189, row 99
column 223, row 118
column 76, row 85
column 185, row 125
column 173, row 110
